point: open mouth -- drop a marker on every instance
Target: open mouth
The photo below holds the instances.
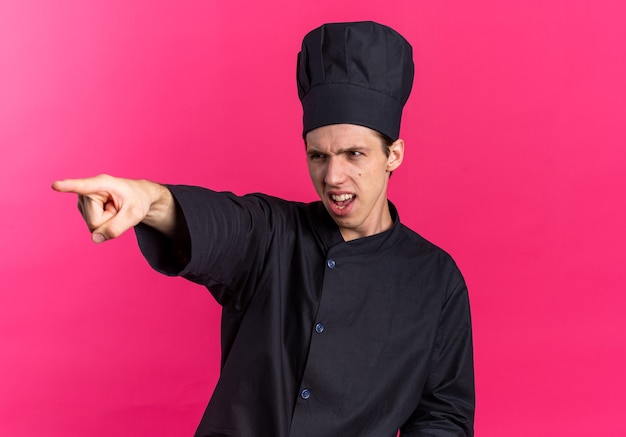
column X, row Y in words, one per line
column 342, row 200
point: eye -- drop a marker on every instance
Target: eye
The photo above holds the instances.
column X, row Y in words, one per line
column 316, row 156
column 354, row 153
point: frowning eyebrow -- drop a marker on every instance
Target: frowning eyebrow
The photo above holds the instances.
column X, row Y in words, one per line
column 312, row 150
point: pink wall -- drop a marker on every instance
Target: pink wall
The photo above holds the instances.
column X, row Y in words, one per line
column 516, row 134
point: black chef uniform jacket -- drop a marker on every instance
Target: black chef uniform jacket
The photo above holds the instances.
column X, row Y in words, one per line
column 322, row 337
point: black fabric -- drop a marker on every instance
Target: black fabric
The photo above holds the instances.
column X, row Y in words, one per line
column 394, row 350
column 358, row 73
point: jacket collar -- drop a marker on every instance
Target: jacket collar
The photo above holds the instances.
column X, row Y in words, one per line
column 329, row 236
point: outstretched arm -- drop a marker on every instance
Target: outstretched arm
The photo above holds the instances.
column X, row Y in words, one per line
column 110, row 206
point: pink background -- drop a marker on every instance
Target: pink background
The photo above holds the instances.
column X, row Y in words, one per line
column 516, row 140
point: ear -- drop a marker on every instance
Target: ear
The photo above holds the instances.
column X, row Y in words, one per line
column 396, row 154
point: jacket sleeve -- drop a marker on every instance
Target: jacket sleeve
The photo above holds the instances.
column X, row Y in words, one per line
column 446, row 408
column 227, row 236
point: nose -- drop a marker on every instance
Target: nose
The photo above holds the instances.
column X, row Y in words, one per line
column 335, row 172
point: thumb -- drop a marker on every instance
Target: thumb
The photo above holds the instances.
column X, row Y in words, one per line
column 98, row 237
column 120, row 221
column 103, row 233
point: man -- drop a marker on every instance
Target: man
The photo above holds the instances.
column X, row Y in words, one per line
column 338, row 320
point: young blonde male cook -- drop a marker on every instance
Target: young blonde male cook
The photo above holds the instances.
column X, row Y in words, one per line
column 337, row 319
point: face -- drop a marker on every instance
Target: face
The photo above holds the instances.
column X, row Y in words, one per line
column 350, row 172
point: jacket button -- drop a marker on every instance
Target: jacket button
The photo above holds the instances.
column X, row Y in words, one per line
column 330, row 263
column 319, row 328
column 305, row 394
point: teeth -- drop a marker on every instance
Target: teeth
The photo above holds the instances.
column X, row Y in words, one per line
column 342, row 197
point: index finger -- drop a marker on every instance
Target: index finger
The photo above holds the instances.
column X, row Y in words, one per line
column 82, row 186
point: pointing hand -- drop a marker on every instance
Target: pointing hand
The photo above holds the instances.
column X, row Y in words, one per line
column 110, row 206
